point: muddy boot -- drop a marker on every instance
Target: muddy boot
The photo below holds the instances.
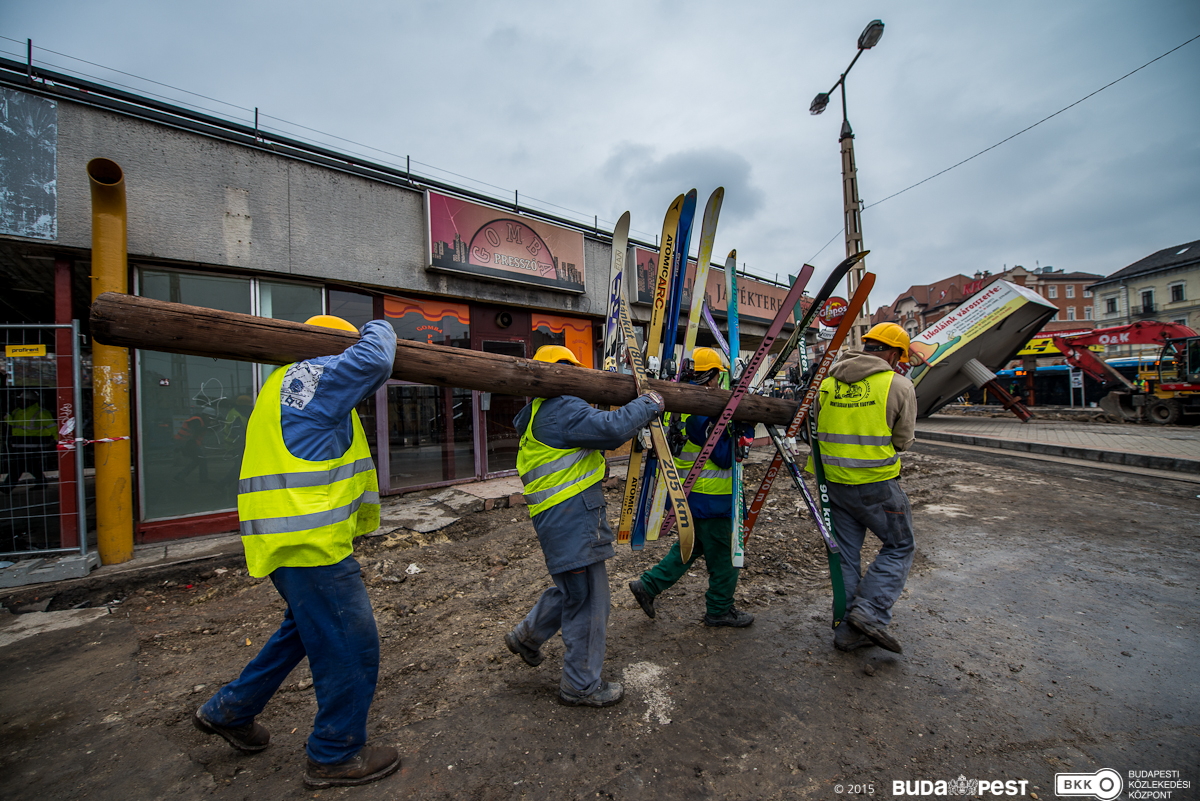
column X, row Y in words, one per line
column 848, row 638
column 644, row 599
column 734, row 617
column 249, row 738
column 532, row 656
column 877, row 632
column 370, row 764
column 606, row 694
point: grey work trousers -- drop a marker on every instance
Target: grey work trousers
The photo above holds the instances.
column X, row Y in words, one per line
column 883, row 508
column 578, row 604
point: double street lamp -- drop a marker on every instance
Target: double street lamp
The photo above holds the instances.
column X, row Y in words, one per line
column 866, row 40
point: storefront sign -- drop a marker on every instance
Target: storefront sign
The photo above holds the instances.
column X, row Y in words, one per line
column 757, row 300
column 834, row 311
column 14, row 351
column 576, row 333
column 486, row 242
column 434, row 322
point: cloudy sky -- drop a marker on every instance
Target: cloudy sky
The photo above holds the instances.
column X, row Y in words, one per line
column 592, row 109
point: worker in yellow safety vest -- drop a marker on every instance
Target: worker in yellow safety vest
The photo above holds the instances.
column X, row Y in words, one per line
column 31, row 436
column 307, row 488
column 561, row 463
column 866, row 414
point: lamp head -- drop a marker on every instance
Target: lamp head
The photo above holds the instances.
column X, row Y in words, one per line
column 870, row 35
column 819, row 103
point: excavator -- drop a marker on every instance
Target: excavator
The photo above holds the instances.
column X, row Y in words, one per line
column 1165, row 391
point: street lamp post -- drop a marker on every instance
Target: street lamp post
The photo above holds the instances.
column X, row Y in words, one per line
column 851, row 204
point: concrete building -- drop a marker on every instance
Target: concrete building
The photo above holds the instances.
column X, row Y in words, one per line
column 221, row 215
column 1164, row 286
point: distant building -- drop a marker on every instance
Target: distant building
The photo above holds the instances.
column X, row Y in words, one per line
column 1164, row 286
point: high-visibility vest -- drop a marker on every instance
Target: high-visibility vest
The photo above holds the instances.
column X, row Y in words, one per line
column 852, row 429
column 712, row 480
column 297, row 513
column 32, row 421
column 553, row 475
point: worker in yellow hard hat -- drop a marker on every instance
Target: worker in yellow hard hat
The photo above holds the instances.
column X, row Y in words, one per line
column 711, row 504
column 866, row 415
column 307, row 488
column 561, row 463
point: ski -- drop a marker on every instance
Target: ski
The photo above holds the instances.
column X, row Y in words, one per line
column 708, row 233
column 722, row 345
column 736, row 540
column 666, row 255
column 810, row 395
column 616, row 280
column 675, row 490
column 659, row 360
column 743, row 383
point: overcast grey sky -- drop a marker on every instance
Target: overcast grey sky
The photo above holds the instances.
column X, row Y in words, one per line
column 601, row 107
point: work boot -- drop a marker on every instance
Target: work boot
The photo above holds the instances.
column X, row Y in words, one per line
column 848, row 638
column 370, row 764
column 249, row 738
column 644, row 599
column 735, row 618
column 877, row 632
column 606, row 694
column 532, row 656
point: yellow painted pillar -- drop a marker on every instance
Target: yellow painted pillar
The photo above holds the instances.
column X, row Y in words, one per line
column 110, row 370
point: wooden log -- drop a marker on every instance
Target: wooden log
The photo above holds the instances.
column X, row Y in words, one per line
column 135, row 322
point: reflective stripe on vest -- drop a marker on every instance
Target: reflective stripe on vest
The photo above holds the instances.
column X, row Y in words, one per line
column 295, row 512
column 713, row 480
column 32, row 421
column 553, row 475
column 856, row 443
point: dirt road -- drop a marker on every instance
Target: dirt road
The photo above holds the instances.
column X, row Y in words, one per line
column 1049, row 626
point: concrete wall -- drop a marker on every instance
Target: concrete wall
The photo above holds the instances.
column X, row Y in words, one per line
column 202, row 201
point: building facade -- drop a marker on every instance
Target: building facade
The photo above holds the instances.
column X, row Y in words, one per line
column 1164, row 286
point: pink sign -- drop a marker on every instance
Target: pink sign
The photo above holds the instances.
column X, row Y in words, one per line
column 482, row 241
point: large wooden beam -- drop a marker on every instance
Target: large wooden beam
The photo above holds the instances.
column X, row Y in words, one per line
column 135, row 322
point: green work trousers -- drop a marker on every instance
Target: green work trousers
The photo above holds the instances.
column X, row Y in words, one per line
column 712, row 542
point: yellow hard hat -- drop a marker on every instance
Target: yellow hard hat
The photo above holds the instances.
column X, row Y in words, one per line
column 707, row 359
column 329, row 321
column 891, row 335
column 554, row 354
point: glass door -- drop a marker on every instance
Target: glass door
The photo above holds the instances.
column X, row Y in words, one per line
column 429, row 435
column 496, row 415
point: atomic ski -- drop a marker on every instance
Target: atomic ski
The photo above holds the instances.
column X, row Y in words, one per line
column 743, row 384
column 662, row 279
column 674, row 488
column 810, row 395
column 659, row 359
column 736, row 541
column 616, row 280
column 708, row 233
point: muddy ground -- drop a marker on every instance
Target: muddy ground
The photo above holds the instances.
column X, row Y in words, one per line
column 1049, row 625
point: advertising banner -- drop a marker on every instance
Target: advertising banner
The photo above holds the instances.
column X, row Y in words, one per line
column 990, row 326
column 487, row 242
column 758, row 301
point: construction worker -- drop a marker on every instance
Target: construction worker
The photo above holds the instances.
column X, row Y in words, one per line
column 31, row 439
column 561, row 462
column 190, row 438
column 711, row 504
column 308, row 487
column 866, row 413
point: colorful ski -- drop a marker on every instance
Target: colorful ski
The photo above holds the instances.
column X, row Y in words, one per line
column 708, row 233
column 675, row 491
column 722, row 345
column 736, row 540
column 616, row 280
column 658, row 361
column 743, row 384
column 666, row 257
column 810, row 395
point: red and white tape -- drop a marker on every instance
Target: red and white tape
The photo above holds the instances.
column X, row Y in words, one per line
column 69, row 444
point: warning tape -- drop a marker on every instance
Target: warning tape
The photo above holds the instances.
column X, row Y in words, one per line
column 69, row 444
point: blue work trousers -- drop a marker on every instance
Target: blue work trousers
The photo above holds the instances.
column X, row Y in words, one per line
column 578, row 604
column 882, row 507
column 329, row 620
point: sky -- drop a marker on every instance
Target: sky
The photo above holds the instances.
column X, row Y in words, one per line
column 589, row 110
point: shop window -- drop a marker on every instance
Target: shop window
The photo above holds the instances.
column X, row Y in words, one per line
column 431, row 430
column 575, row 334
column 191, row 409
column 356, row 308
